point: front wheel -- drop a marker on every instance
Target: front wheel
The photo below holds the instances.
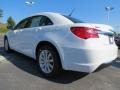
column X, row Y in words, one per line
column 49, row 61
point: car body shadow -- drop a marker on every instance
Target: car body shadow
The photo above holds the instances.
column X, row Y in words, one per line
column 30, row 66
column 102, row 67
column 116, row 63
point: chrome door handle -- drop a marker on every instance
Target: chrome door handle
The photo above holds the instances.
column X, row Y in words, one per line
column 38, row 29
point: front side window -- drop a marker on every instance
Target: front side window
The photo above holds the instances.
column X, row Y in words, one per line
column 23, row 24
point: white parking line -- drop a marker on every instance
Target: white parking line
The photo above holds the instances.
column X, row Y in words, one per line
column 3, row 59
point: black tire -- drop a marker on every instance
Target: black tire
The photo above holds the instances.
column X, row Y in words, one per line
column 56, row 60
column 6, row 45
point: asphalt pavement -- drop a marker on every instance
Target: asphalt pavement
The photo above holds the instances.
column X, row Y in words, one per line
column 18, row 72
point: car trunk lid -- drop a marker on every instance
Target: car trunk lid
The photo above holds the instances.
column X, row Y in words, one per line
column 105, row 32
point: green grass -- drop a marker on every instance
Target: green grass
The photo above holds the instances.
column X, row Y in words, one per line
column 3, row 28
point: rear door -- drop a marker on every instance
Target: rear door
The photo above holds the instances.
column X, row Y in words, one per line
column 30, row 35
column 33, row 32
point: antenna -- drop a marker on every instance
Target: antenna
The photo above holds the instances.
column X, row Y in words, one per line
column 72, row 12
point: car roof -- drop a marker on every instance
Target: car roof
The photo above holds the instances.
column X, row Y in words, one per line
column 46, row 13
column 56, row 18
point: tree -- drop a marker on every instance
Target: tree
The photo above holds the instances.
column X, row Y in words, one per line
column 1, row 13
column 3, row 28
column 10, row 23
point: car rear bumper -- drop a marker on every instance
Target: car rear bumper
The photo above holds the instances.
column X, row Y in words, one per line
column 88, row 60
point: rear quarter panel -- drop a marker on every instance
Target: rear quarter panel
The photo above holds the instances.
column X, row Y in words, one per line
column 53, row 34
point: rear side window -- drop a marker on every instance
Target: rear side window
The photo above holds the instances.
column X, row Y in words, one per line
column 36, row 21
column 74, row 20
column 45, row 21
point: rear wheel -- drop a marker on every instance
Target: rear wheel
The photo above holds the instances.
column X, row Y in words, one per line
column 49, row 61
column 6, row 45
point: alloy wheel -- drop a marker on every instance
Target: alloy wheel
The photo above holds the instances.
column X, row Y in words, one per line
column 46, row 61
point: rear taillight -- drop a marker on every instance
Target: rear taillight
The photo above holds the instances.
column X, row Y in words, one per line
column 85, row 32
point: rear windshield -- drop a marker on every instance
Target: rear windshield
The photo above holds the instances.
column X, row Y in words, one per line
column 74, row 20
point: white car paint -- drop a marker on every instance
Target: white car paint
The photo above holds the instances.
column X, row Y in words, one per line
column 76, row 54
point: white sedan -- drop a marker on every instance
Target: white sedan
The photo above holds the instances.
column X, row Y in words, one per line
column 60, row 42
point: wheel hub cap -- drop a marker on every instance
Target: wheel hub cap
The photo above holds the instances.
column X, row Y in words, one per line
column 46, row 61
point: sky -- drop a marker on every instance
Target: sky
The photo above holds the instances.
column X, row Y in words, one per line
column 92, row 11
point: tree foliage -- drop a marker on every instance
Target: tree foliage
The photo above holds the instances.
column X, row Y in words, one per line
column 3, row 28
column 10, row 23
column 1, row 13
